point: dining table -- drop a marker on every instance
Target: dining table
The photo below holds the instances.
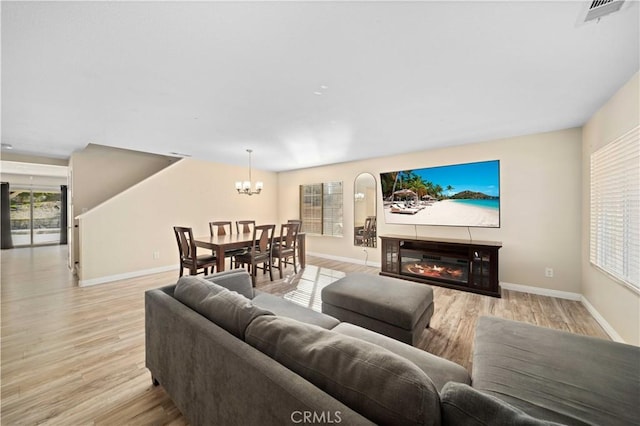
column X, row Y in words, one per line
column 221, row 243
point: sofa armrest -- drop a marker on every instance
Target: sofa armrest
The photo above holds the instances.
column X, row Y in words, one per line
column 464, row 406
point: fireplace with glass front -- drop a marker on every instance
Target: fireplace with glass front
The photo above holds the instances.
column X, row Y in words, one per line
column 460, row 264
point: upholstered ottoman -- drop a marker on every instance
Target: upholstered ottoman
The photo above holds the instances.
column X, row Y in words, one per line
column 393, row 307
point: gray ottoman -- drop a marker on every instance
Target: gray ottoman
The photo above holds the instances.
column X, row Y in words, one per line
column 393, row 307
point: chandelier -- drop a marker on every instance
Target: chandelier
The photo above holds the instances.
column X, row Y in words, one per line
column 245, row 187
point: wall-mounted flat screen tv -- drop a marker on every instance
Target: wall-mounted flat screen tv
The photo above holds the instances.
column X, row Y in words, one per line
column 453, row 195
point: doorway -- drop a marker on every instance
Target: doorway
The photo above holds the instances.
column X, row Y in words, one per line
column 35, row 216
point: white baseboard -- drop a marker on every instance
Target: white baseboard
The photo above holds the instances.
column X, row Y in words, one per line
column 541, row 291
column 570, row 296
column 603, row 322
column 127, row 275
column 345, row 259
column 135, row 274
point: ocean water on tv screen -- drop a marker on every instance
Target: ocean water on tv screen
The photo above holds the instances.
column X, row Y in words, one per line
column 486, row 204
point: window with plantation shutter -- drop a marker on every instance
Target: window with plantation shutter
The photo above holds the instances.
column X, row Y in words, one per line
column 615, row 208
column 321, row 208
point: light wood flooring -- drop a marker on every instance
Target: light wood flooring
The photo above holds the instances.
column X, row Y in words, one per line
column 74, row 355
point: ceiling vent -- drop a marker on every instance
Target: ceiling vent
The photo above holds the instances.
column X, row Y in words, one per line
column 598, row 8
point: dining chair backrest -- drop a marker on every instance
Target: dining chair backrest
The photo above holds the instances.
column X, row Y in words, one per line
column 368, row 224
column 289, row 234
column 263, row 236
column 220, row 228
column 245, row 226
column 186, row 246
column 298, row 221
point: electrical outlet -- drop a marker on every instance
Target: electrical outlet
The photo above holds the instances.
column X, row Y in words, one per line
column 548, row 272
column 156, row 254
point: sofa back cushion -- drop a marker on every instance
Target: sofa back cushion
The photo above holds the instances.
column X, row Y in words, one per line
column 439, row 370
column 237, row 280
column 228, row 309
column 191, row 289
column 375, row 382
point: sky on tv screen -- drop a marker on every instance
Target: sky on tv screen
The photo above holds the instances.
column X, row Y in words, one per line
column 477, row 177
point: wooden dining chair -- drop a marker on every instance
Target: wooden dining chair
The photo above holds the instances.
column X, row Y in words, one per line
column 260, row 253
column 299, row 222
column 286, row 248
column 364, row 235
column 222, row 227
column 188, row 253
column 245, row 226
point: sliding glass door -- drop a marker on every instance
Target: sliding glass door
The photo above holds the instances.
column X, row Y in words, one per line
column 35, row 216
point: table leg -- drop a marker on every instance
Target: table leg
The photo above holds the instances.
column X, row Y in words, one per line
column 220, row 259
column 302, row 251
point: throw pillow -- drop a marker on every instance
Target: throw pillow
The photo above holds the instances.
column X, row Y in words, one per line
column 463, row 405
column 373, row 381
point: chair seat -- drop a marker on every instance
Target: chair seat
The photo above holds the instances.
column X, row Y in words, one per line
column 246, row 257
column 280, row 251
column 236, row 252
column 205, row 258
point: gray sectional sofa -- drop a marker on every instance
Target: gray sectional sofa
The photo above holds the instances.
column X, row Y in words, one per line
column 229, row 354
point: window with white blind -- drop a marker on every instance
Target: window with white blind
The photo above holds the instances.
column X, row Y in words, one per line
column 321, row 208
column 615, row 208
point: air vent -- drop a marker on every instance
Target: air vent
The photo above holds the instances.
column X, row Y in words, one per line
column 599, row 8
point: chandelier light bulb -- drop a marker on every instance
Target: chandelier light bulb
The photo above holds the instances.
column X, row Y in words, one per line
column 245, row 186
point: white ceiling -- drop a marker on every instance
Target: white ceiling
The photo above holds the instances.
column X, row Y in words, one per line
column 303, row 83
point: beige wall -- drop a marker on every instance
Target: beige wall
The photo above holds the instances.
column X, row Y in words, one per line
column 23, row 158
column 540, row 205
column 119, row 237
column 35, row 170
column 99, row 172
column 616, row 303
column 40, row 182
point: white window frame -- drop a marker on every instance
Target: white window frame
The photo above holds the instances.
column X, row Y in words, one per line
column 614, row 235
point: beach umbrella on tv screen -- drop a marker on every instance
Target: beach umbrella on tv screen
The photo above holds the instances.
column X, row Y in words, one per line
column 405, row 193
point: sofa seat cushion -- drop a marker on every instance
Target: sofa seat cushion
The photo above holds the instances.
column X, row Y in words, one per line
column 461, row 405
column 228, row 309
column 557, row 375
column 286, row 308
column 375, row 382
column 439, row 370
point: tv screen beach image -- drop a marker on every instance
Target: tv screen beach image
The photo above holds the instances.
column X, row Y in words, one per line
column 453, row 195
